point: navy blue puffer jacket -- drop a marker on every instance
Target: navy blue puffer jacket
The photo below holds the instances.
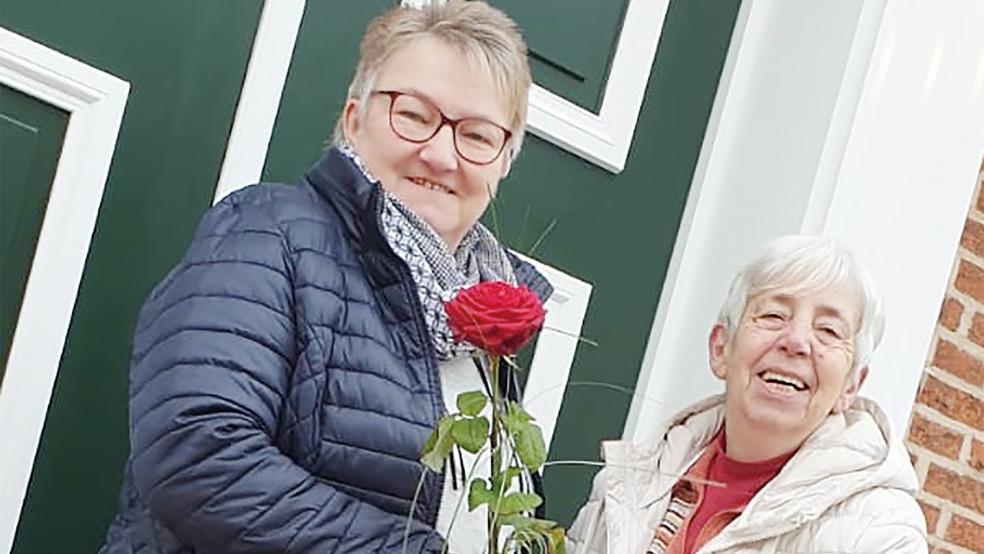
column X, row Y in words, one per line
column 283, row 383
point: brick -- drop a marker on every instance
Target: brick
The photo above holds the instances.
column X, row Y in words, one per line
column 932, row 516
column 965, row 533
column 980, row 194
column 976, row 331
column 935, row 437
column 970, row 280
column 973, row 237
column 965, row 491
column 951, row 402
column 950, row 313
column 951, row 359
column 976, row 460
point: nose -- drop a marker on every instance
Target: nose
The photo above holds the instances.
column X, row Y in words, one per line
column 439, row 152
column 796, row 340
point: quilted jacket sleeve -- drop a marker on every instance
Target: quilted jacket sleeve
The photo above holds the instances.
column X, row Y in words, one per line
column 896, row 528
column 213, row 358
column 588, row 533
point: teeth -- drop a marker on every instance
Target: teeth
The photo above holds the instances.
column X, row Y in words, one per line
column 430, row 185
column 783, row 379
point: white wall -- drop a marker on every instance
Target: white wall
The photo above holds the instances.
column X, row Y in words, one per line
column 822, row 124
column 908, row 174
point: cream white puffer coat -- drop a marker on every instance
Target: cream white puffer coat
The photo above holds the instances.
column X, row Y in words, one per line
column 849, row 489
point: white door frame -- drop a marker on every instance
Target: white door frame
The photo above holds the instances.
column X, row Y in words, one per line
column 95, row 101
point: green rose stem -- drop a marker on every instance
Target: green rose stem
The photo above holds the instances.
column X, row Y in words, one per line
column 496, row 453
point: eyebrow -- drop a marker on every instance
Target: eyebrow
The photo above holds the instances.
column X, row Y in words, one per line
column 822, row 309
column 425, row 96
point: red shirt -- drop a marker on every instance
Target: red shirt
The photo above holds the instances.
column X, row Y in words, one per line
column 742, row 481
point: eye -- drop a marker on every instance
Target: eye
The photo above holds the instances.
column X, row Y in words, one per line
column 478, row 137
column 773, row 316
column 412, row 116
column 830, row 332
column 771, row 320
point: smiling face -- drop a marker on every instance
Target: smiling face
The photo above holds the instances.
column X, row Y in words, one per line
column 786, row 367
column 431, row 178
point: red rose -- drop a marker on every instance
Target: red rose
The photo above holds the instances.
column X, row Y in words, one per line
column 494, row 316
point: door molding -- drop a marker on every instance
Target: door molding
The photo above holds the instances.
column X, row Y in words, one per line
column 603, row 138
column 95, row 102
column 555, row 348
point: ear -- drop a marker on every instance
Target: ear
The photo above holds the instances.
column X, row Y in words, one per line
column 506, row 163
column 851, row 388
column 350, row 120
column 716, row 345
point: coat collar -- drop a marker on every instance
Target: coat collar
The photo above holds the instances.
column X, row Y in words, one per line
column 338, row 180
column 847, row 454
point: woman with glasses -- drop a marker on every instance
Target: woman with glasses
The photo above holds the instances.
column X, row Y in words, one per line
column 288, row 371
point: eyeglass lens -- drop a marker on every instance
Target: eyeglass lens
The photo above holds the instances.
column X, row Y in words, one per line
column 415, row 119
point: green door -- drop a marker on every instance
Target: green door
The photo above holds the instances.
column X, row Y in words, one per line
column 31, row 136
column 615, row 231
column 185, row 61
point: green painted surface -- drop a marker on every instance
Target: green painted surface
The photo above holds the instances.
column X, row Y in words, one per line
column 31, row 136
column 185, row 61
column 615, row 231
column 561, row 58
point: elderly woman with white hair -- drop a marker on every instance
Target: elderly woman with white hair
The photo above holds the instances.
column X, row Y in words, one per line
column 789, row 458
column 287, row 373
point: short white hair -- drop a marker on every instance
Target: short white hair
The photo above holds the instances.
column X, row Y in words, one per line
column 802, row 264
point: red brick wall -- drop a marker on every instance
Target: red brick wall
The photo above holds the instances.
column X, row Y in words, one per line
column 946, row 432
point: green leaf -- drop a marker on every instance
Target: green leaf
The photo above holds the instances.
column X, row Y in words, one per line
column 555, row 536
column 472, row 403
column 478, row 494
column 438, row 445
column 471, row 433
column 530, row 447
column 503, row 480
column 518, row 522
column 529, row 542
column 522, row 523
column 515, row 418
column 535, row 535
column 516, row 502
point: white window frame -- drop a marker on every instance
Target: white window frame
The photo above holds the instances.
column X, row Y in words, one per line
column 95, row 101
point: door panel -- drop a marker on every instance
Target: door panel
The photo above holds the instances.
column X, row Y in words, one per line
column 561, row 60
column 324, row 60
column 31, row 135
column 185, row 61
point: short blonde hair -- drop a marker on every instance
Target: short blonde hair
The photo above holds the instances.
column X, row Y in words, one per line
column 804, row 264
column 486, row 36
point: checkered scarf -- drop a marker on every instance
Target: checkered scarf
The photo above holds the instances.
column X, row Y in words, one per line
column 438, row 273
